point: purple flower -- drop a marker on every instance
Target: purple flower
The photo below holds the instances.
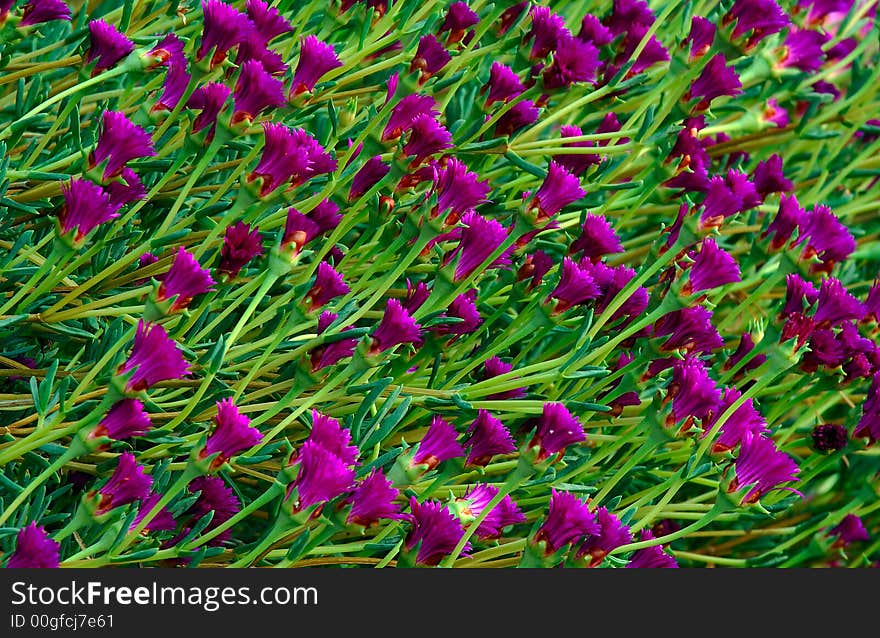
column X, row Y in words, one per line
column 299, row 229
column 255, row 49
column 775, row 114
column 559, row 189
column 176, row 77
column 826, row 238
column 548, row 29
column 627, row 14
column 712, row 267
column 721, row 202
column 480, row 237
column 464, row 308
column 761, row 466
column 835, row 304
column 829, row 437
column 701, row 36
column 124, row 420
column 405, row 112
column 653, row 52
column 802, row 50
column 746, row 345
column 163, row 521
column 397, row 327
column 459, row 18
column 268, row 22
column 210, row 100
column 652, row 557
column 760, row 17
column 214, row 496
column 592, row 30
column 518, row 116
column 511, row 15
column 224, row 28
column 534, row 267
column 241, row 243
column 416, row 296
column 184, row 280
column 849, row 530
column 573, row 61
column 576, row 285
column 568, row 520
column 694, row 393
column 40, row 11
column 505, row 513
column 328, row 285
column 120, row 142
column 107, row 45
column 373, row 499
column 611, row 535
column 322, row 475
column 596, row 240
column 576, row 163
column 316, row 59
column 745, row 418
column 128, row 483
column 426, row 137
column 435, row 531
column 154, row 357
column 688, row 329
column 368, row 176
column 256, row 91
column 872, row 303
column 458, row 190
column 494, row 367
column 34, row 548
column 557, row 429
column 128, row 189
column 715, row 80
column 328, row 433
column 232, row 434
column 503, row 84
column 438, row 444
column 487, row 436
column 789, row 217
column 285, row 156
column 769, row 177
column 86, row 206
column 868, row 426
column 431, row 56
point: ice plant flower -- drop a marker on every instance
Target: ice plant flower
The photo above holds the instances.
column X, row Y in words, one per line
column 652, row 557
column 426, row 137
column 716, row 80
column 463, row 308
column 611, row 535
column 761, row 466
column 480, row 237
column 487, row 437
column 328, row 285
column 503, row 84
column 404, row 113
column 34, row 548
column 745, row 418
column 576, row 285
column 835, row 304
column 373, row 170
column 86, row 206
column 209, row 100
column 826, row 238
column 568, row 521
column 224, row 28
column 125, row 419
column 829, row 437
column 316, row 59
column 330, row 353
column 107, row 45
column 759, row 18
column 184, row 280
column 40, row 11
column 439, row 444
column 575, row 163
column 458, row 190
column 802, row 50
column 214, row 496
column 520, row 115
column 493, row 367
column 743, row 350
column 688, row 329
column 162, row 521
column 285, row 155
column 789, row 218
column 573, row 61
column 126, row 190
column 373, row 499
column 435, row 531
column 430, row 57
column 268, row 22
column 256, row 92
column 459, row 18
column 713, row 267
column 322, row 475
column 395, row 328
column 694, row 393
column 850, row 530
column 241, row 244
column 547, row 30
column 556, row 430
column 129, row 483
column 232, row 433
column 120, row 142
column 596, row 240
column 559, row 189
column 470, row 505
column 701, row 37
column 154, row 357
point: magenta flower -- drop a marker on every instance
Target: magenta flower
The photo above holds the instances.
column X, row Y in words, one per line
column 850, row 530
column 373, row 499
column 652, row 557
column 458, row 190
column 86, row 206
column 126, row 190
column 576, row 285
column 480, row 237
column 627, row 14
column 34, row 548
column 713, row 267
column 256, row 92
column 487, row 437
column 829, row 437
column 653, row 53
column 835, row 305
column 184, row 280
column 40, row 11
column 268, row 22
column 426, row 137
column 504, row 514
column 789, row 217
column 459, row 18
column 154, row 357
column 694, row 393
column 397, row 327
column 210, row 100
column 802, row 50
column 826, row 238
column 868, row 426
column 163, row 521
column 761, row 466
column 701, row 36
column 326, row 215
column 612, row 534
column 775, row 114
column 167, row 50
column 224, row 28
column 316, row 59
column 438, row 444
column 232, row 434
column 214, row 496
column 373, row 170
column 328, row 285
column 769, row 177
column 576, row 163
column 503, row 84
column 328, row 433
column 176, row 77
column 520, row 115
column 573, row 61
column 464, row 308
column 746, row 345
column 330, row 353
column 559, row 189
column 405, row 112
column 128, row 483
column 568, row 521
column 107, row 45
column 592, row 30
column 557, row 429
column 596, row 240
column 241, row 244
column 716, row 80
column 120, row 142
column 494, row 367
column 124, row 420
column 322, row 475
column 745, row 418
column 688, row 329
column 435, row 531
column 534, row 267
column 760, row 17
column 547, row 30
column 299, row 229
column 431, row 56
column 286, row 155
column 511, row 15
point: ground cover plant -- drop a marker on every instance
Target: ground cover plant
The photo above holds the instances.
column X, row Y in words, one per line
column 439, row 284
